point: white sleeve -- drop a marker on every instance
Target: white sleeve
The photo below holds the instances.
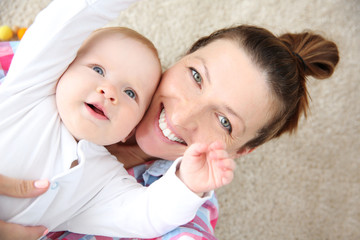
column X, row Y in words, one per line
column 143, row 212
column 51, row 42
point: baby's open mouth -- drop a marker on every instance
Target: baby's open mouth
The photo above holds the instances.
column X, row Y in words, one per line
column 97, row 110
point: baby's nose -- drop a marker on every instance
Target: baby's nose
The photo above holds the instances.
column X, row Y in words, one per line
column 109, row 93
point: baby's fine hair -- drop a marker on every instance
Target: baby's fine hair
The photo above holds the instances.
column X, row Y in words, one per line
column 285, row 61
column 127, row 32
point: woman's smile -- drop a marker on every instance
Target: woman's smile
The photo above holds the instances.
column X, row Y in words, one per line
column 167, row 132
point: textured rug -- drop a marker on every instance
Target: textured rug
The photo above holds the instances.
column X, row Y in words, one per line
column 305, row 186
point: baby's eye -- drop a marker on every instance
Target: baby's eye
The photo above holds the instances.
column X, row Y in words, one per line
column 99, row 70
column 225, row 123
column 130, row 93
column 196, row 76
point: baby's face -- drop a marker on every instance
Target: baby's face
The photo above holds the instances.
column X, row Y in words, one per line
column 106, row 90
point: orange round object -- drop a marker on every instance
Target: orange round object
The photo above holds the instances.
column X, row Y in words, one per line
column 21, row 32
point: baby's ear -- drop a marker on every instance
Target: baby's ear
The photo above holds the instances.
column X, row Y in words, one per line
column 244, row 151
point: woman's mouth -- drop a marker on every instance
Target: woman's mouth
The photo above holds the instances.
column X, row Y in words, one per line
column 97, row 111
column 166, row 131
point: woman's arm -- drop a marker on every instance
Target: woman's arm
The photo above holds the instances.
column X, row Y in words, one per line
column 13, row 187
column 21, row 189
column 11, row 231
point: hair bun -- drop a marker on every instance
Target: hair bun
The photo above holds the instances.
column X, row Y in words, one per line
column 318, row 55
column 301, row 61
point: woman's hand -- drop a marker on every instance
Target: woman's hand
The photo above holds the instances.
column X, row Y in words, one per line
column 21, row 189
column 206, row 167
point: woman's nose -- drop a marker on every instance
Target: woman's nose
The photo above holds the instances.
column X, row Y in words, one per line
column 109, row 92
column 186, row 116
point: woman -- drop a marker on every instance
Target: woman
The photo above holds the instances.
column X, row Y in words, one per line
column 242, row 85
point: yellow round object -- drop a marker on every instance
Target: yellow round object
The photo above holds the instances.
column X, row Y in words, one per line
column 21, row 32
column 5, row 33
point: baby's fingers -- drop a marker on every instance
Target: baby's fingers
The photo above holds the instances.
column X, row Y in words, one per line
column 224, row 171
column 196, row 149
column 217, row 154
column 217, row 145
column 227, row 168
column 227, row 164
column 227, row 177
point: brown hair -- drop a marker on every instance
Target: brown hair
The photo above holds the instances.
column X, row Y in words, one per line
column 286, row 61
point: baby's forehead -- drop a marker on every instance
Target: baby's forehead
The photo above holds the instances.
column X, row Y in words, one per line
column 122, row 32
column 96, row 39
column 119, row 38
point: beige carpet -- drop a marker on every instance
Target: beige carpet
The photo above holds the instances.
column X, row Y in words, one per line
column 301, row 187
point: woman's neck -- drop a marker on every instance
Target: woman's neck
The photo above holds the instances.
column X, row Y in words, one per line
column 129, row 153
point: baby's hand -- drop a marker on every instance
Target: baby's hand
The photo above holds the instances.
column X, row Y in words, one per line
column 205, row 168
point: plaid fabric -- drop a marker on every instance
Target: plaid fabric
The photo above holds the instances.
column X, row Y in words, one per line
column 201, row 227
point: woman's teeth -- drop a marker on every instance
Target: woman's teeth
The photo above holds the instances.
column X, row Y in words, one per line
column 165, row 130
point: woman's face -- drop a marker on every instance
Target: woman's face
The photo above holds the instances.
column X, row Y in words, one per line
column 213, row 93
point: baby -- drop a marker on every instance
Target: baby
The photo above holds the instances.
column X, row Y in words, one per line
column 62, row 101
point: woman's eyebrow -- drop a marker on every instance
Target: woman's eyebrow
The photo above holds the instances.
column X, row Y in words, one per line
column 205, row 68
column 232, row 112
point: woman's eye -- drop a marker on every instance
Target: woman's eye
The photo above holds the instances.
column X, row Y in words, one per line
column 225, row 123
column 196, row 76
column 99, row 70
column 130, row 93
